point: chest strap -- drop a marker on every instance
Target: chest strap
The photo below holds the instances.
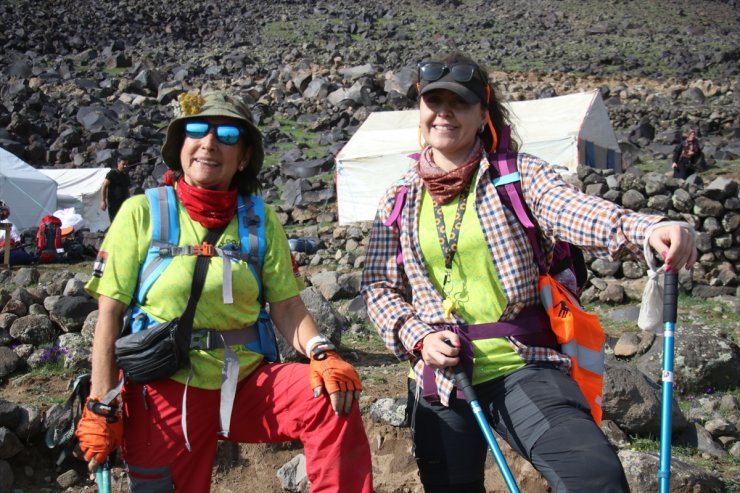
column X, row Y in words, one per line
column 531, row 327
column 217, row 339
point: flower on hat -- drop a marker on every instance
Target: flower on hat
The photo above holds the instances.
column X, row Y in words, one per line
column 190, row 104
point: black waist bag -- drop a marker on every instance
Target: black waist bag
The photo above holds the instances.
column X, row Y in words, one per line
column 158, row 352
column 152, row 354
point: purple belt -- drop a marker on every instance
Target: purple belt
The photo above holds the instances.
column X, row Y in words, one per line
column 531, row 327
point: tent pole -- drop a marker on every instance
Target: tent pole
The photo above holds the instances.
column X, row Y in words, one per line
column 6, row 257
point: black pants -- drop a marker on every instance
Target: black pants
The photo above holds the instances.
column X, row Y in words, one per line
column 113, row 206
column 685, row 169
column 541, row 414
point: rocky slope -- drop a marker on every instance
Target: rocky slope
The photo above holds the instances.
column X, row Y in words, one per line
column 82, row 81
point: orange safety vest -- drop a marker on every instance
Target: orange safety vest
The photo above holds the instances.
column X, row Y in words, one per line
column 581, row 338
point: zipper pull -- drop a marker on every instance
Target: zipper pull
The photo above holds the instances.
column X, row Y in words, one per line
column 144, row 396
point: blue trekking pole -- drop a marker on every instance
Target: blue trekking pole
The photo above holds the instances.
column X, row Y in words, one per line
column 102, row 476
column 463, row 383
column 670, row 302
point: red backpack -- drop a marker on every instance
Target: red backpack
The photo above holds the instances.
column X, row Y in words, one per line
column 49, row 239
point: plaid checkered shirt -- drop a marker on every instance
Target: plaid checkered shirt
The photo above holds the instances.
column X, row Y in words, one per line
column 404, row 305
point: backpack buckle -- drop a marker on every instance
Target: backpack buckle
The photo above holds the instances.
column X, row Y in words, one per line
column 108, row 411
column 204, row 250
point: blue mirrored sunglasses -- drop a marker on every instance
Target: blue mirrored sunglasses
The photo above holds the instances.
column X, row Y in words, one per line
column 226, row 133
column 461, row 72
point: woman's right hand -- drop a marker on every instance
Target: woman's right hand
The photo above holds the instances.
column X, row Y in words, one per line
column 441, row 349
column 99, row 434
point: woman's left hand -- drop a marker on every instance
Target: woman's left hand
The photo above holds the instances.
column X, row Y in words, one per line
column 339, row 378
column 675, row 243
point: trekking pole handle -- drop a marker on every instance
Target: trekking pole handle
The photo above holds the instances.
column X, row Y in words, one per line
column 670, row 297
column 462, row 379
column 463, row 383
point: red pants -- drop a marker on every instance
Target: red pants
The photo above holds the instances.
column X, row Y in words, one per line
column 274, row 404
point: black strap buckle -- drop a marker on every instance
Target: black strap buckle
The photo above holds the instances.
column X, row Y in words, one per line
column 108, row 411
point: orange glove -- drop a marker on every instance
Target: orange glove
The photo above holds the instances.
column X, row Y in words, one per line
column 334, row 374
column 100, row 431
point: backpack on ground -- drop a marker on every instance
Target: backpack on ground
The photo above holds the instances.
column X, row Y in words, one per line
column 49, row 239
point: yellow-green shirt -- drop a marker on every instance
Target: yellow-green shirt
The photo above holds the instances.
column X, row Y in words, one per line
column 473, row 286
column 123, row 252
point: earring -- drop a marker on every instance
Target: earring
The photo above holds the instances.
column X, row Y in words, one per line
column 482, row 128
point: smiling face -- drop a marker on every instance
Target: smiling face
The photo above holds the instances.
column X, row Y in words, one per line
column 207, row 163
column 449, row 124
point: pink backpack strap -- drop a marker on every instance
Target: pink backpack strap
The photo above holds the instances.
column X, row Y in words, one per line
column 395, row 218
column 509, row 179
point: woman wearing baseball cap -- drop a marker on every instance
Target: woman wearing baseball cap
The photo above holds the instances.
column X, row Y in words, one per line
column 448, row 263
column 169, row 428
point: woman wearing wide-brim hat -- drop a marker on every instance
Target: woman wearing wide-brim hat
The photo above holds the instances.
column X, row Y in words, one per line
column 169, row 428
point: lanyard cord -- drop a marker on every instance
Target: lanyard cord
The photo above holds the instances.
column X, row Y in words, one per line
column 449, row 247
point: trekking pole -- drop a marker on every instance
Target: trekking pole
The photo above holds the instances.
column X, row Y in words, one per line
column 463, row 383
column 102, row 476
column 670, row 302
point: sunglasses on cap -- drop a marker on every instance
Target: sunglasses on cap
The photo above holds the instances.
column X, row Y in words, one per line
column 461, row 72
column 226, row 133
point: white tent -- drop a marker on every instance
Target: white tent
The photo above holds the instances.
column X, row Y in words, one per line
column 30, row 194
column 80, row 188
column 564, row 131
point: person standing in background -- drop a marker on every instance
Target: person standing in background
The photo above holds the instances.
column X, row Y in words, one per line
column 115, row 188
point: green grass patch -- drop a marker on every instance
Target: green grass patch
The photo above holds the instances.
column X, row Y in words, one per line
column 651, row 445
column 298, row 135
column 298, row 31
column 53, row 369
column 716, row 313
column 115, row 72
column 727, row 168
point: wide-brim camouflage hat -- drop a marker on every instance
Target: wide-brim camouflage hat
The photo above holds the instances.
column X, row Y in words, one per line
column 211, row 104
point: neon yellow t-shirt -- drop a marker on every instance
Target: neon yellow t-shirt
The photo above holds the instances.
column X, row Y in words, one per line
column 124, row 250
column 474, row 285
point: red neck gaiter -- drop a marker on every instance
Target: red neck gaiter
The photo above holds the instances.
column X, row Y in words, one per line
column 443, row 185
column 211, row 208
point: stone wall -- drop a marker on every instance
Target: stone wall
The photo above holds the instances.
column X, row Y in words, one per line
column 712, row 208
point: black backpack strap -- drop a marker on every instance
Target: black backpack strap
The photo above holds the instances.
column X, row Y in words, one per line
column 62, row 436
column 199, row 278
